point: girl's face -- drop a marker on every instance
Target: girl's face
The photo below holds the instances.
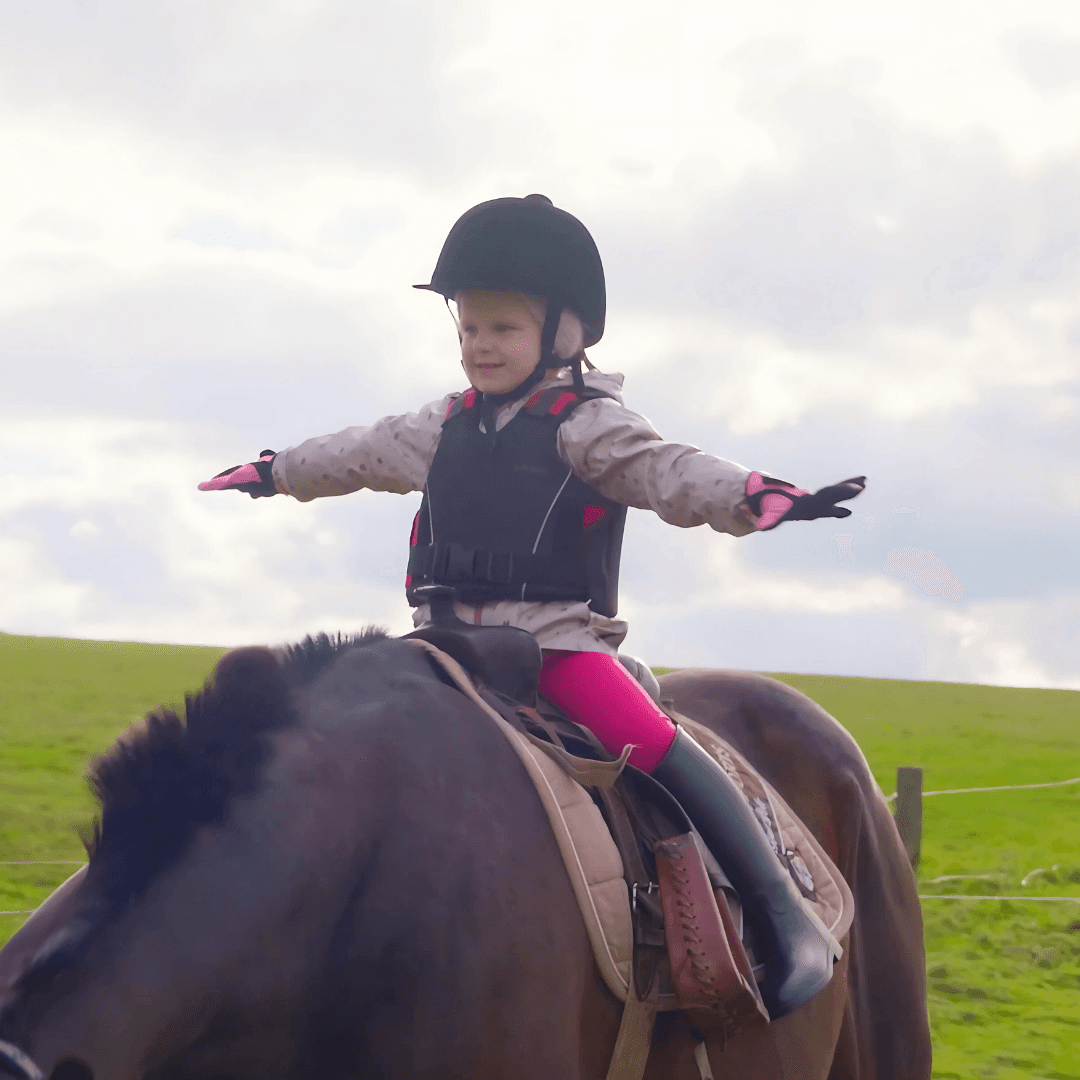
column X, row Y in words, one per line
column 500, row 341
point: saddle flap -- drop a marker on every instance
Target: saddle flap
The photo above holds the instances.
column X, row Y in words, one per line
column 708, row 966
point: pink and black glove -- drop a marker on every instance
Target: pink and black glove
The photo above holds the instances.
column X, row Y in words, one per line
column 256, row 478
column 773, row 501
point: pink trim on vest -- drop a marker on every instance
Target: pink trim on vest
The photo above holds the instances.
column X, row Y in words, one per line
column 561, row 402
column 593, row 514
column 413, row 536
column 468, row 399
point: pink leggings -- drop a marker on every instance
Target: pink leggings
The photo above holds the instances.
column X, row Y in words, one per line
column 596, row 691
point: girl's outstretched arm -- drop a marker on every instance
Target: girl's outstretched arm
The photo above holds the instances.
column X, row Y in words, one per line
column 621, row 454
column 393, row 454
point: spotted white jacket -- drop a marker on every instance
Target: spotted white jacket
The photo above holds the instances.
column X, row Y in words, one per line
column 616, row 451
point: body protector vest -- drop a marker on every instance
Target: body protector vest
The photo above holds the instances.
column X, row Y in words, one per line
column 503, row 518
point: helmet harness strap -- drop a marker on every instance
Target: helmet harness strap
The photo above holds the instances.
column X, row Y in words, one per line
column 552, row 317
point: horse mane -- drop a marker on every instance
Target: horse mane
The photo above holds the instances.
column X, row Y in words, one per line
column 171, row 775
column 306, row 661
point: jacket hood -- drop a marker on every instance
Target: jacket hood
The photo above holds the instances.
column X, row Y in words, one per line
column 611, row 383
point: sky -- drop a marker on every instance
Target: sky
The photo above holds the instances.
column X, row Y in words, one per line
column 839, row 240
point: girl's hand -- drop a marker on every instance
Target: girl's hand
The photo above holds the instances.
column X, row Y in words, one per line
column 256, row 478
column 772, row 501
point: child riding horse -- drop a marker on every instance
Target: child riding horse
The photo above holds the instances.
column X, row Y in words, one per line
column 526, row 478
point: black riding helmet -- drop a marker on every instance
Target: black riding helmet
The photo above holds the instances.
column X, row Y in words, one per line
column 531, row 246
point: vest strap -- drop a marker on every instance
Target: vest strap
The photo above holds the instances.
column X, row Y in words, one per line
column 449, row 563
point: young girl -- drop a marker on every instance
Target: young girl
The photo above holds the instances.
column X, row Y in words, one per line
column 526, row 478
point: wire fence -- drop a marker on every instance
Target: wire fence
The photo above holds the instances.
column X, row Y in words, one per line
column 1003, row 787
column 908, row 798
column 964, row 896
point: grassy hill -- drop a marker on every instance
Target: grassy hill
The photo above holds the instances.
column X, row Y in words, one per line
column 1004, row 975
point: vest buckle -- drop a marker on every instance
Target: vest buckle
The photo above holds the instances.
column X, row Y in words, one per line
column 457, row 562
column 452, row 563
column 500, row 567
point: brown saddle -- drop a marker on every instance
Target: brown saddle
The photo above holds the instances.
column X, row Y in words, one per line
column 692, row 950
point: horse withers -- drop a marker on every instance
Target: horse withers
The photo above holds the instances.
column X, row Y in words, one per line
column 334, row 867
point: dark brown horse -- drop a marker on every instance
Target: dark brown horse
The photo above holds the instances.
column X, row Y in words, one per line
column 337, row 869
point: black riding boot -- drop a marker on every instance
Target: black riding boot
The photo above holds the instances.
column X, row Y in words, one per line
column 799, row 951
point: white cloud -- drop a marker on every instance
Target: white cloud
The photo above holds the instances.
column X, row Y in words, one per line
column 756, row 380
column 926, row 570
column 676, row 581
column 84, row 529
column 1017, row 643
column 244, row 81
column 1048, row 59
column 155, row 559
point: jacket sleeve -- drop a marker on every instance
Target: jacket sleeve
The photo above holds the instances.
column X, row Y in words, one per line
column 620, row 454
column 393, row 454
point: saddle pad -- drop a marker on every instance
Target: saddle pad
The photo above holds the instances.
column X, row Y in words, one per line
column 593, row 862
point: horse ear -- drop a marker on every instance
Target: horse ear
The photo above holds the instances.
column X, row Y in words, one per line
column 251, row 665
column 250, row 684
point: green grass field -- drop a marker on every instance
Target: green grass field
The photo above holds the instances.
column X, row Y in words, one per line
column 1004, row 975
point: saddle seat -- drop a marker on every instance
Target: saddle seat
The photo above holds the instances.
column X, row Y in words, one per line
column 505, row 658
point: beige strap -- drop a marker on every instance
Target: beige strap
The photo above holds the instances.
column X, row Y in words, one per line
column 586, row 771
column 631, row 1053
column 701, row 1056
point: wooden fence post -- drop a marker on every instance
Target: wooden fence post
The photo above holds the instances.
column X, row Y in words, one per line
column 909, row 810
